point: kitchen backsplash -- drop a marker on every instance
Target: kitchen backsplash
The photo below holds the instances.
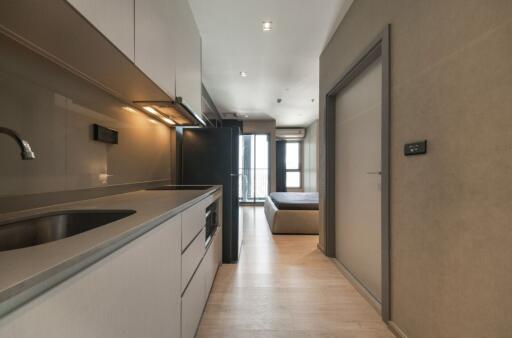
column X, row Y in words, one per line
column 53, row 110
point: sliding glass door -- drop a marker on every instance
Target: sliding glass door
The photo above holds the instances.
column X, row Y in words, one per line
column 254, row 161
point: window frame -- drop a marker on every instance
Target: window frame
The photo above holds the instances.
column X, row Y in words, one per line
column 299, row 170
column 254, row 200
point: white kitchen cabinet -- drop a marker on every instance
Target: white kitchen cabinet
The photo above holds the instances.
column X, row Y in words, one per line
column 160, row 36
column 132, row 293
column 188, row 56
column 196, row 294
column 155, row 47
column 191, row 257
column 197, row 288
column 194, row 221
column 192, row 303
column 113, row 18
column 212, row 259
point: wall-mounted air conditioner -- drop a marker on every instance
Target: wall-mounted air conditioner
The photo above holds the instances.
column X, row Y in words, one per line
column 290, row 133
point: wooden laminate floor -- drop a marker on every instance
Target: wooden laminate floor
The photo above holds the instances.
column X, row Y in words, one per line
column 284, row 286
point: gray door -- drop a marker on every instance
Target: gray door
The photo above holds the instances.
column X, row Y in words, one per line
column 358, row 178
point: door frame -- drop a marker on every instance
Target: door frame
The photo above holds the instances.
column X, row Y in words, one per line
column 254, row 202
column 379, row 48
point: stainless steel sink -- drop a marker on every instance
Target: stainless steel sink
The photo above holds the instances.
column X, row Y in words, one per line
column 52, row 227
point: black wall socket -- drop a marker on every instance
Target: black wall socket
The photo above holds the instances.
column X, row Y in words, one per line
column 415, row 148
column 104, row 134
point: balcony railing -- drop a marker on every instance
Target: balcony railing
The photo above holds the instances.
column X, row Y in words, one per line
column 253, row 185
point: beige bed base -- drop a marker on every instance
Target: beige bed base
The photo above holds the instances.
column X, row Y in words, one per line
column 305, row 222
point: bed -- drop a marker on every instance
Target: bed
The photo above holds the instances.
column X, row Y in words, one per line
column 292, row 212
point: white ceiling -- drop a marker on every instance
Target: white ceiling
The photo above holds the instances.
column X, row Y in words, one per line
column 283, row 63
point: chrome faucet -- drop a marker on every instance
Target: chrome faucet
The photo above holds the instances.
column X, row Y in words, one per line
column 26, row 151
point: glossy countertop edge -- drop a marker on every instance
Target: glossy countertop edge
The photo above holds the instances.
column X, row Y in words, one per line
column 16, row 291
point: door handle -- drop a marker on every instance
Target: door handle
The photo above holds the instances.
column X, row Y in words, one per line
column 233, row 175
column 374, row 172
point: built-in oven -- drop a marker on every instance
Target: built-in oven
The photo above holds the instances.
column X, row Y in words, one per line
column 212, row 221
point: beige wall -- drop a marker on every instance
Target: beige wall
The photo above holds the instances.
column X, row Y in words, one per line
column 54, row 111
column 265, row 127
column 310, row 159
column 451, row 237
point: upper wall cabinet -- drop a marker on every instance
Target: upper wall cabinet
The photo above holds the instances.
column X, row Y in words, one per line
column 61, row 33
column 188, row 56
column 154, row 42
column 137, row 50
column 113, row 18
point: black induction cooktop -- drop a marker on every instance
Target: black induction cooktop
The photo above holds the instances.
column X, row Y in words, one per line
column 182, row 187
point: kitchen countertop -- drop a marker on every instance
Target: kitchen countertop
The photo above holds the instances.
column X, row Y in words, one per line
column 28, row 272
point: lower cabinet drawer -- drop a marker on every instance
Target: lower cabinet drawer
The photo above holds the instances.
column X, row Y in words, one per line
column 212, row 259
column 191, row 257
column 193, row 220
column 192, row 303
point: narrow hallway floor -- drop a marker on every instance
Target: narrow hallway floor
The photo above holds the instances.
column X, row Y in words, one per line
column 283, row 286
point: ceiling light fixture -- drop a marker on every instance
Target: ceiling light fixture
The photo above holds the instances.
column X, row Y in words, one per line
column 130, row 109
column 168, row 121
column 161, row 117
column 243, row 74
column 150, row 110
column 267, row 26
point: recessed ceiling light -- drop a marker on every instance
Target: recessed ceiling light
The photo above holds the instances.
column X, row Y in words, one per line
column 267, row 26
column 151, row 110
column 243, row 74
